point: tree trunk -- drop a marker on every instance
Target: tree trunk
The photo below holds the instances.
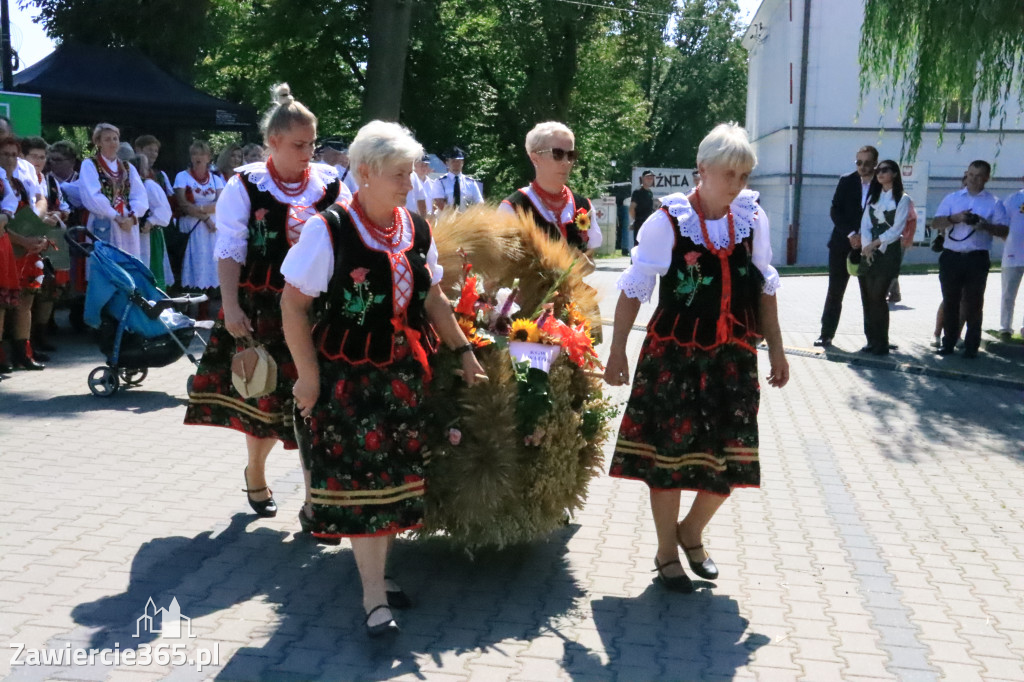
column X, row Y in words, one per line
column 385, row 66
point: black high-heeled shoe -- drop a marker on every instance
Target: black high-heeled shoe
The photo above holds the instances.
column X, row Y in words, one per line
column 264, row 508
column 306, row 524
column 677, row 583
column 705, row 569
column 388, row 627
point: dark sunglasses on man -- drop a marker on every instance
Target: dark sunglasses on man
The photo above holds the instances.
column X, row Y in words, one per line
column 558, row 154
column 869, row 164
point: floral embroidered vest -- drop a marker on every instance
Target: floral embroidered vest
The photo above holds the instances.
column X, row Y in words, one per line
column 706, row 300
column 357, row 316
column 273, row 228
column 116, row 190
column 570, row 232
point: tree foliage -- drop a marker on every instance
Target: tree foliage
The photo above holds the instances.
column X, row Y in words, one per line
column 638, row 82
column 930, row 56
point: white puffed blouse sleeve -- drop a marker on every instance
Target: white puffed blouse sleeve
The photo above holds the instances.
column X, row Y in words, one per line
column 160, row 213
column 652, row 257
column 762, row 254
column 309, row 264
column 233, row 222
column 436, row 271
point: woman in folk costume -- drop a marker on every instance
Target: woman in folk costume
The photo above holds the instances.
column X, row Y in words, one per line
column 556, row 209
column 28, row 196
column 691, row 419
column 260, row 216
column 364, row 369
column 35, row 149
column 112, row 191
column 151, row 233
column 10, row 283
column 197, row 190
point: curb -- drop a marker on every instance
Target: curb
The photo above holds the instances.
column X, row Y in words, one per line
column 907, row 367
column 879, row 363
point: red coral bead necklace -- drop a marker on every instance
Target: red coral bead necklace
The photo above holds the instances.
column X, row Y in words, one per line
column 285, row 188
column 390, row 235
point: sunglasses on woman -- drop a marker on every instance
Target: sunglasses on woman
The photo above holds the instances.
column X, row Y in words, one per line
column 558, row 154
column 885, row 169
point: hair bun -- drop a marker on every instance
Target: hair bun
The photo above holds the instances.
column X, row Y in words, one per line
column 282, row 94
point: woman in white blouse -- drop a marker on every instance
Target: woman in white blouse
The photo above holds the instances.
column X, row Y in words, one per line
column 370, row 269
column 260, row 215
column 881, row 228
column 691, row 419
column 112, row 191
column 153, row 251
column 557, row 210
column 197, row 189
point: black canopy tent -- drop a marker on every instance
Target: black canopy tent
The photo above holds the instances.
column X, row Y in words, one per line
column 84, row 84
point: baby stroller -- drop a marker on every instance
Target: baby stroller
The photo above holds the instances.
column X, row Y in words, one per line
column 137, row 325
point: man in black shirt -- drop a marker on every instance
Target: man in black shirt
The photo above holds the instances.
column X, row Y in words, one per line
column 641, row 202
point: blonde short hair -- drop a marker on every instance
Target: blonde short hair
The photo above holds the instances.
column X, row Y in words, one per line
column 379, row 143
column 100, row 127
column 542, row 132
column 727, row 145
column 200, row 146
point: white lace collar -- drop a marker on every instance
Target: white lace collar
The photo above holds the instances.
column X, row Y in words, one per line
column 371, row 241
column 744, row 215
column 320, row 176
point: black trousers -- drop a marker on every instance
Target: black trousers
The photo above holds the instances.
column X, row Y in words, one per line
column 874, row 290
column 838, row 278
column 963, row 277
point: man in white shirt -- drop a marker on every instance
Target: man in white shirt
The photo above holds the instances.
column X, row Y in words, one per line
column 453, row 188
column 334, row 152
column 970, row 218
column 1013, row 262
column 422, row 172
column 416, row 199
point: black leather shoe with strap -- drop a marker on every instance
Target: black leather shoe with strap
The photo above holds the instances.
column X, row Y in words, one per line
column 675, row 583
column 267, row 508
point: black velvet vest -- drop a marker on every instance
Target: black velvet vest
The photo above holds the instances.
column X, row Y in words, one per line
column 572, row 235
column 268, row 235
column 706, row 300
column 356, row 316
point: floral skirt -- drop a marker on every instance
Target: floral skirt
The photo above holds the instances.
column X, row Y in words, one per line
column 364, row 445
column 691, row 419
column 10, row 281
column 214, row 400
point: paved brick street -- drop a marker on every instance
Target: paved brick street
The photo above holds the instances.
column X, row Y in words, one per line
column 885, row 543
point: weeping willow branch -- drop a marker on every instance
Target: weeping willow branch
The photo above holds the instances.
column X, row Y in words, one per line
column 928, row 57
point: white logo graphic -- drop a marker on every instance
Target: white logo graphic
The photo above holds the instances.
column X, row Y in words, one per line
column 172, row 625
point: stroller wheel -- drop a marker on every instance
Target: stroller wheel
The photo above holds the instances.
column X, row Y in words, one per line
column 133, row 377
column 103, row 382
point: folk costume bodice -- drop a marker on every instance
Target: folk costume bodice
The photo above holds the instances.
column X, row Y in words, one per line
column 376, row 290
column 274, row 227
column 572, row 224
column 712, row 282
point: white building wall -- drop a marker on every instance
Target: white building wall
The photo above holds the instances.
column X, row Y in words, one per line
column 838, row 122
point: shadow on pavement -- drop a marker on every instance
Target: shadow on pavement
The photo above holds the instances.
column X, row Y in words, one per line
column 136, row 400
column 461, row 604
column 661, row 635
column 912, row 413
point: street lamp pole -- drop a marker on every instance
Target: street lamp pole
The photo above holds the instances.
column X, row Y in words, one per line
column 5, row 39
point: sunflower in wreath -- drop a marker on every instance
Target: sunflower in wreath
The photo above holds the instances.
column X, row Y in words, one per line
column 582, row 222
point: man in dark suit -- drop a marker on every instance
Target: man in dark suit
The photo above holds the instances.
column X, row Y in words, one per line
column 847, row 208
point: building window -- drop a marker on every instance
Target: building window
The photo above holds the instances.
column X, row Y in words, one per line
column 960, row 113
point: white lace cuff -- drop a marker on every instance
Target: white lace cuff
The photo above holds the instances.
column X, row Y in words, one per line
column 231, row 250
column 771, row 284
column 636, row 285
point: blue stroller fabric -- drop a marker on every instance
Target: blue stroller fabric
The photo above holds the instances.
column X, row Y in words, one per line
column 114, row 278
